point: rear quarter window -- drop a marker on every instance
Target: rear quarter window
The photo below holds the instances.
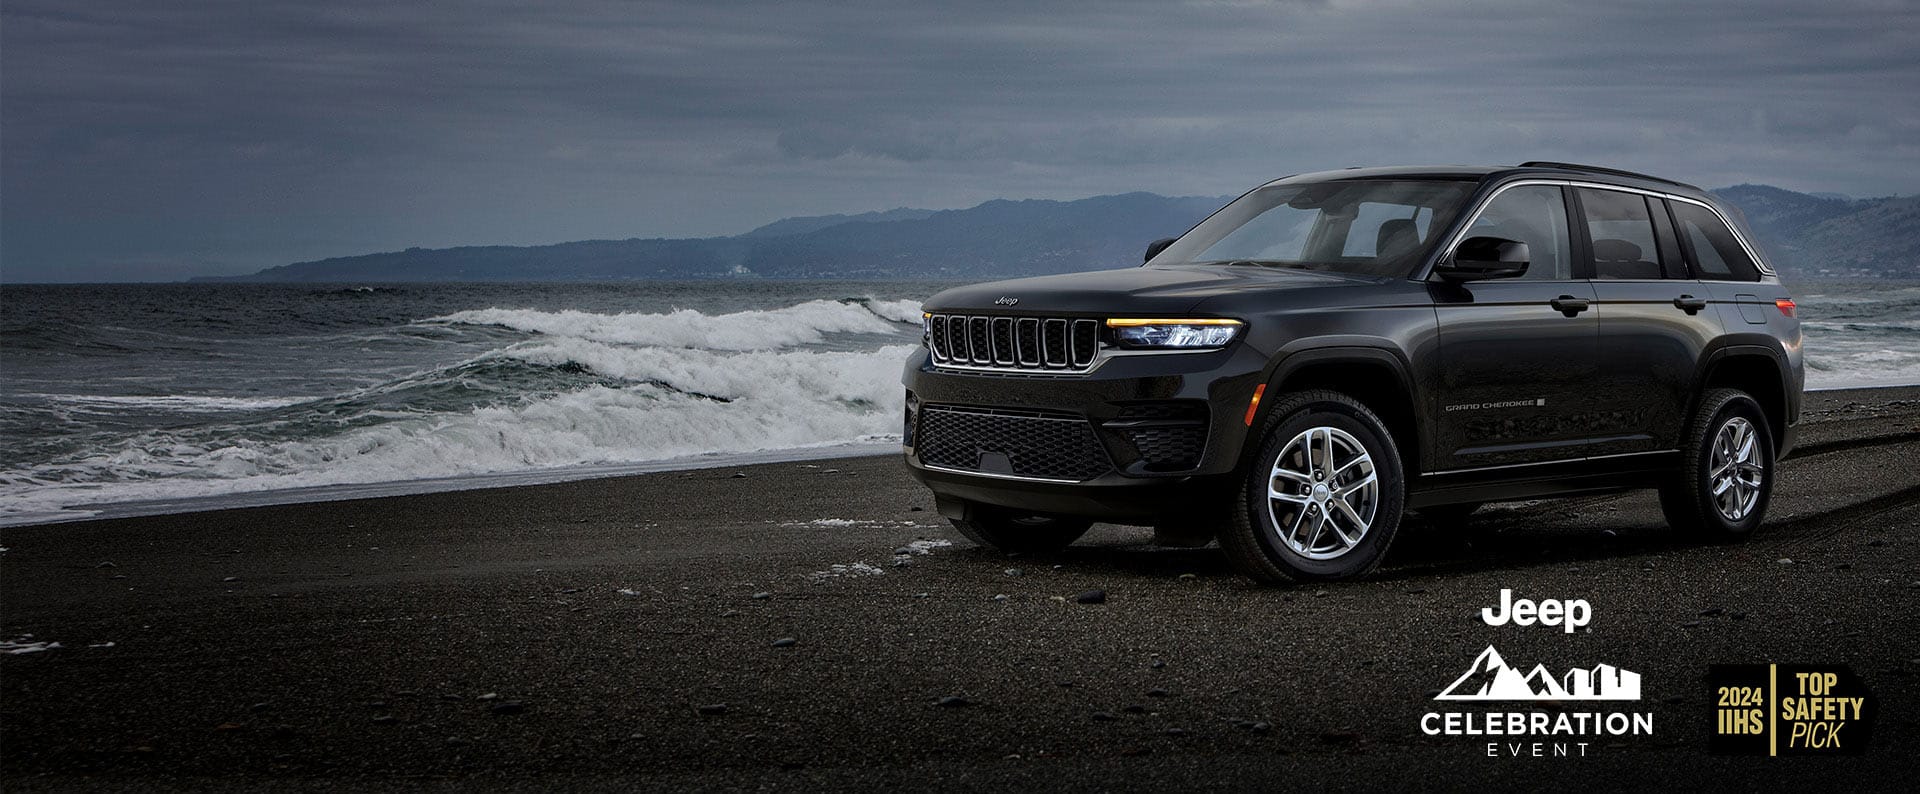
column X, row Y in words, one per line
column 1711, row 247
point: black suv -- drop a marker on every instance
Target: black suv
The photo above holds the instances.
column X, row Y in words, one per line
column 1331, row 349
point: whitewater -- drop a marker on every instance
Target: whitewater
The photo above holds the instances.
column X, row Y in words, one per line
column 527, row 391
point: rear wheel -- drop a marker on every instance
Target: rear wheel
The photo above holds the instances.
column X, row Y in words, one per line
column 1323, row 498
column 1010, row 531
column 1722, row 488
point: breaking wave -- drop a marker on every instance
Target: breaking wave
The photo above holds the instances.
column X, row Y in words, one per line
column 565, row 389
column 806, row 323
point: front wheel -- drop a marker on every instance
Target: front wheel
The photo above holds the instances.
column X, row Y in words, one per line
column 1014, row 532
column 1323, row 498
column 1726, row 478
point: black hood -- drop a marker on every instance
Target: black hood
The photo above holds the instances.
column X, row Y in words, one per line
column 1164, row 291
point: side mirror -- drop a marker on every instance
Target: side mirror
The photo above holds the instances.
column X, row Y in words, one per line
column 1154, row 248
column 1480, row 258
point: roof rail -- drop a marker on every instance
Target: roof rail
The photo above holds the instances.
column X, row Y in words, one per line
column 1600, row 170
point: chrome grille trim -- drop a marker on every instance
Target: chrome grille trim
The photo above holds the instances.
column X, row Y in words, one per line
column 1017, row 345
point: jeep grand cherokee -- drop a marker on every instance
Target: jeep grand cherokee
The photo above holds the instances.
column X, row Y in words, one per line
column 1332, row 349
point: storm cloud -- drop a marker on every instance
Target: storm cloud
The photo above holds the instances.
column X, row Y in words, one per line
column 161, row 140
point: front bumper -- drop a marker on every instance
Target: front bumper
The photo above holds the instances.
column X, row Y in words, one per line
column 1121, row 403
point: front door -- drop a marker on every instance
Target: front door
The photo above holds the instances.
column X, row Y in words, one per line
column 1519, row 356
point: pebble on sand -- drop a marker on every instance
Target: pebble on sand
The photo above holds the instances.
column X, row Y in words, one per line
column 1092, row 597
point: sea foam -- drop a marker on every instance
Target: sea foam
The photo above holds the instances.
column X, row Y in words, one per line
column 800, row 324
column 574, row 389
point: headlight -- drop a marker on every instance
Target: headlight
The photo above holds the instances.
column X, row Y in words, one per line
column 1174, row 334
column 926, row 329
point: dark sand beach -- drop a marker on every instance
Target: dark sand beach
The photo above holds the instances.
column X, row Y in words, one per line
column 621, row 633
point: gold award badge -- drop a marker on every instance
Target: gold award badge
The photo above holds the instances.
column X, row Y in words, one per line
column 1789, row 709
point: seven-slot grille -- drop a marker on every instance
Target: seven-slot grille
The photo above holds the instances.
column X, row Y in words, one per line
column 1014, row 344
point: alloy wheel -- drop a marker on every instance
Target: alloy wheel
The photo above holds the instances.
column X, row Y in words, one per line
column 1736, row 472
column 1322, row 493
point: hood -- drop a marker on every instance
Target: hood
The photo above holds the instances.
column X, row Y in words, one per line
column 1165, row 291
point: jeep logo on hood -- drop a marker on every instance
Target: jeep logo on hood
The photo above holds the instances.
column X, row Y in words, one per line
column 1006, row 301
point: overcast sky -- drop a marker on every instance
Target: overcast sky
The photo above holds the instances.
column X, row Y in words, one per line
column 154, row 141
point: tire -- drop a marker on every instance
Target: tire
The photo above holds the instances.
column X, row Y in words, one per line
column 1254, row 542
column 1012, row 532
column 1728, row 428
column 1449, row 515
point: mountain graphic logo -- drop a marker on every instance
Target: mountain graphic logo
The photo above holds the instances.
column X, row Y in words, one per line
column 1491, row 679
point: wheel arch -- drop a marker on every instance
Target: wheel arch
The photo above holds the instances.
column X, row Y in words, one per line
column 1756, row 370
column 1375, row 376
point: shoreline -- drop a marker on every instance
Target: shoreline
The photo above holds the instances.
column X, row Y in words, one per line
column 318, row 494
column 583, row 473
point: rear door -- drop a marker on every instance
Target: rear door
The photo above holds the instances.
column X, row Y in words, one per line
column 1655, row 319
column 1518, row 355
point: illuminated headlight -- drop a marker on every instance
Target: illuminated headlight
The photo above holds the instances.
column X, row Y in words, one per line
column 1174, row 334
column 926, row 329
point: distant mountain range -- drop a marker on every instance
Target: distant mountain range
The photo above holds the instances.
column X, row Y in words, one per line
column 1806, row 236
column 1824, row 236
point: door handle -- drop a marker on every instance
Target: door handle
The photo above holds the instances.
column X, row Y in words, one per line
column 1690, row 304
column 1569, row 305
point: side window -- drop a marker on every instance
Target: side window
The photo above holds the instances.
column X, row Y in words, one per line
column 1716, row 254
column 1621, row 231
column 1670, row 257
column 1535, row 215
column 1381, row 229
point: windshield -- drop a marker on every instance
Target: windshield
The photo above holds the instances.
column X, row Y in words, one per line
column 1374, row 227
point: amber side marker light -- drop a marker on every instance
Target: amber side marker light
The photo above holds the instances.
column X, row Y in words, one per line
column 1785, row 305
column 1253, row 406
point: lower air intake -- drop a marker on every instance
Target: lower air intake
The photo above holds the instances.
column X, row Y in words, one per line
column 1010, row 443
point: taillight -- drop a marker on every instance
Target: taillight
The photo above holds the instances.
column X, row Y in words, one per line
column 1785, row 305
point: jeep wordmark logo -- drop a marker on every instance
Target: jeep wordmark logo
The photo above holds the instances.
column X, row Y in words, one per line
column 1570, row 615
column 1006, row 301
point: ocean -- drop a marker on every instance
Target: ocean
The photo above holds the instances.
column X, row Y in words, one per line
column 123, row 399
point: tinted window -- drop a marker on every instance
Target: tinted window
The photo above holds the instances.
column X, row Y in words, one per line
column 1716, row 254
column 1535, row 215
column 1670, row 256
column 1621, row 230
